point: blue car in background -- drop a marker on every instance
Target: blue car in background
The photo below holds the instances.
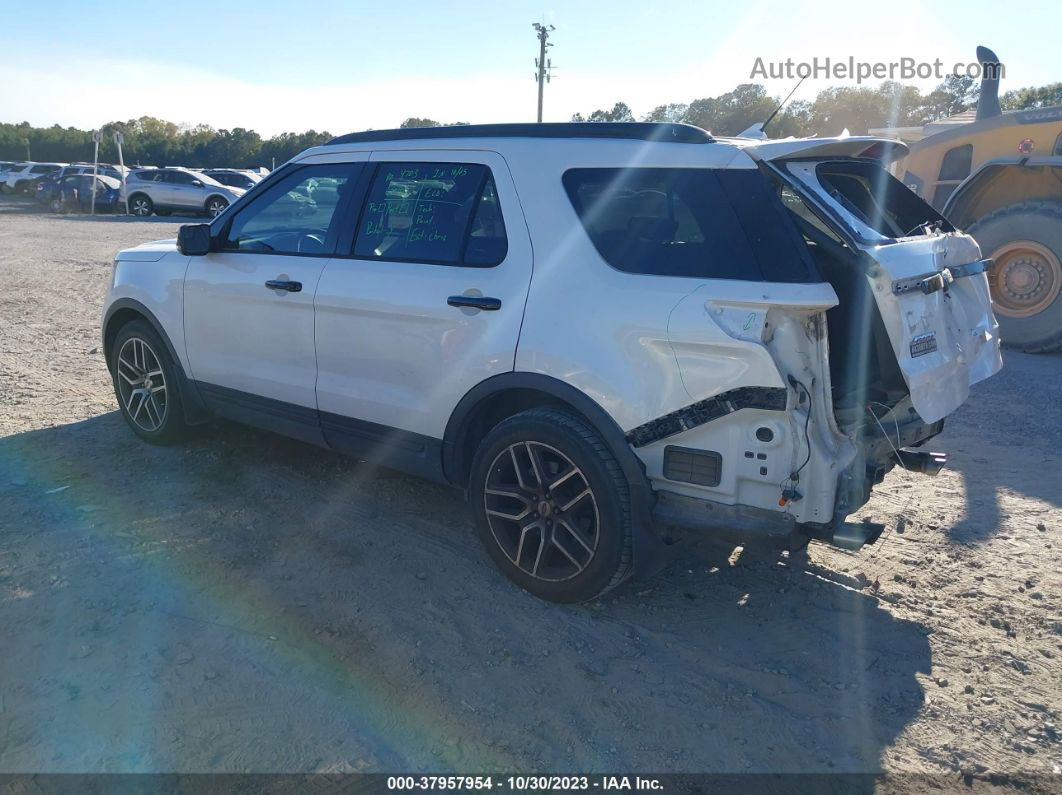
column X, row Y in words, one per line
column 47, row 189
column 74, row 192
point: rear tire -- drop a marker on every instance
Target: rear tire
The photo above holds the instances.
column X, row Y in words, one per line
column 1025, row 240
column 552, row 506
column 140, row 205
column 146, row 384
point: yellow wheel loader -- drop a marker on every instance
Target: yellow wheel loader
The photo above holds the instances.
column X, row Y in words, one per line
column 998, row 176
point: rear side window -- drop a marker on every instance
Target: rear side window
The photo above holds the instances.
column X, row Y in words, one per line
column 438, row 213
column 691, row 222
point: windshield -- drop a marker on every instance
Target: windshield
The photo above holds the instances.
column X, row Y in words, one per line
column 872, row 203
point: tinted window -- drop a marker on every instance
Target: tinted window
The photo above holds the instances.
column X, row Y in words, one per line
column 285, row 220
column 487, row 243
column 421, row 212
column 147, row 176
column 692, row 222
column 956, row 163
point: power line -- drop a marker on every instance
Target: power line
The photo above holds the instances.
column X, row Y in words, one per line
column 544, row 66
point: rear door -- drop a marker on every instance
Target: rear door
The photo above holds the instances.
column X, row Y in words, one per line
column 928, row 280
column 425, row 302
column 181, row 190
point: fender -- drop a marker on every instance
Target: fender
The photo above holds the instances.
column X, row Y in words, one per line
column 648, row 546
column 195, row 409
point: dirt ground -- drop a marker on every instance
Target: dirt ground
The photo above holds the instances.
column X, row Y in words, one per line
column 247, row 603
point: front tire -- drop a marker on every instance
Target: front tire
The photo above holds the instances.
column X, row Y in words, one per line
column 146, row 384
column 552, row 506
column 140, row 205
column 1025, row 240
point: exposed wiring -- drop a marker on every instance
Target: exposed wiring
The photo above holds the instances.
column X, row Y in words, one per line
column 807, row 437
column 895, row 422
column 895, row 447
column 788, row 485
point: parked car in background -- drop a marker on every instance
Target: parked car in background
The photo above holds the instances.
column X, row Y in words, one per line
column 75, row 193
column 46, row 188
column 233, row 178
column 20, row 181
column 5, row 166
column 166, row 190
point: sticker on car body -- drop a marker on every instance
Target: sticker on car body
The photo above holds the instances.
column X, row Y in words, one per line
column 923, row 344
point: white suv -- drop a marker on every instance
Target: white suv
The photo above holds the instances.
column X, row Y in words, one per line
column 20, row 177
column 603, row 332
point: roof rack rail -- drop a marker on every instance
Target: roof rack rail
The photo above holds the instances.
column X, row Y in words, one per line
column 663, row 132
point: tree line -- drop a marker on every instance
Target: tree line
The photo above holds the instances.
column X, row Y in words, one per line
column 152, row 141
column 857, row 109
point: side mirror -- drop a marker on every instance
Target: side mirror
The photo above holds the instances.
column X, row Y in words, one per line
column 193, row 240
column 197, row 182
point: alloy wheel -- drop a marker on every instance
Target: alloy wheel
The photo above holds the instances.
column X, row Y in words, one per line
column 141, row 384
column 216, row 207
column 541, row 511
column 140, row 206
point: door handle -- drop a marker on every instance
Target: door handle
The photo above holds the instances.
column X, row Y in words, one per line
column 475, row 302
column 284, row 284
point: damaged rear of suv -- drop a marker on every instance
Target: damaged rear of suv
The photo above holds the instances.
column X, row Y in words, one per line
column 886, row 326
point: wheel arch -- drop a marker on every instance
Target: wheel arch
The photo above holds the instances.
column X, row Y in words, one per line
column 502, row 396
column 124, row 311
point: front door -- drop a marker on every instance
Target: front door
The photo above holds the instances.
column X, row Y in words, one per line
column 426, row 303
column 249, row 316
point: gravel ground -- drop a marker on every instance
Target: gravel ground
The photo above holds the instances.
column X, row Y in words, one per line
column 247, row 603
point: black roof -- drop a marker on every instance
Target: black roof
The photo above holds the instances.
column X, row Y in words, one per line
column 633, row 130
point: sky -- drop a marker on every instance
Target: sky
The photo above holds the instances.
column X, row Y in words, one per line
column 344, row 66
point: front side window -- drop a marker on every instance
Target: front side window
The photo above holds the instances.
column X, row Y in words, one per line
column 689, row 222
column 285, row 220
column 440, row 213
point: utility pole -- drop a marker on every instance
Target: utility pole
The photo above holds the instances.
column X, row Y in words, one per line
column 25, row 143
column 544, row 66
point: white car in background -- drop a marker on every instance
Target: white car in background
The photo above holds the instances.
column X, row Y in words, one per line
column 19, row 180
column 166, row 190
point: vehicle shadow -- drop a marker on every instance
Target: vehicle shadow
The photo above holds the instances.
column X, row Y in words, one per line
column 999, row 444
column 242, row 602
